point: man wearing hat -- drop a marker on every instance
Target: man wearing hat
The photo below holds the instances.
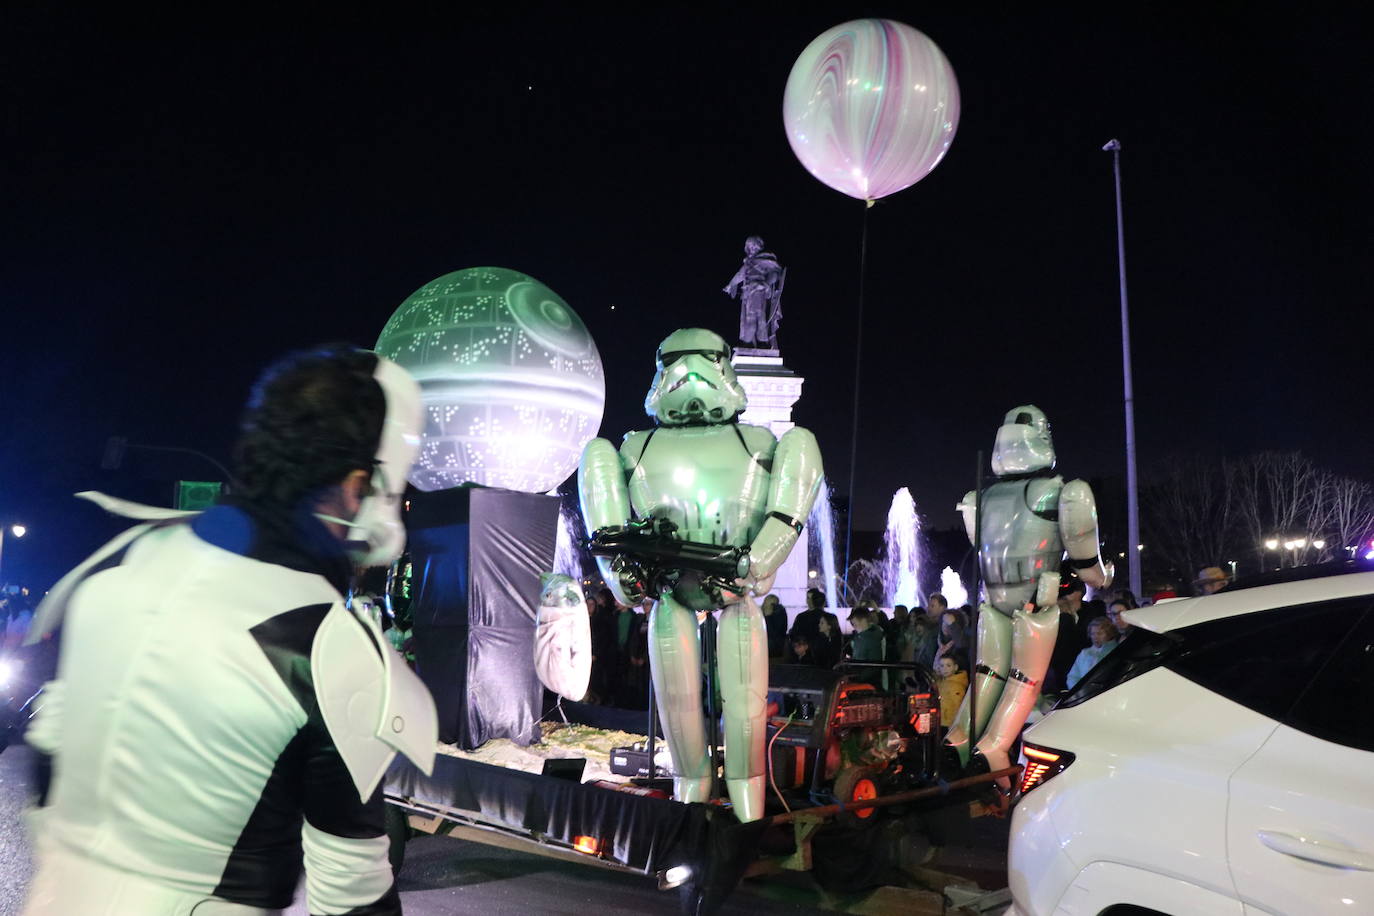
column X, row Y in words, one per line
column 1072, row 637
column 1211, row 580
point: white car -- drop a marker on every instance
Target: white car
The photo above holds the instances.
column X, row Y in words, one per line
column 1219, row 761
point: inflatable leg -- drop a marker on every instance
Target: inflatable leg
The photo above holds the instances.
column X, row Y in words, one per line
column 1033, row 644
column 675, row 662
column 742, row 653
column 994, row 657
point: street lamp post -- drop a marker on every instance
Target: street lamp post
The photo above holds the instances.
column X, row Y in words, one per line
column 18, row 531
column 1132, row 494
column 1295, row 545
column 1273, row 544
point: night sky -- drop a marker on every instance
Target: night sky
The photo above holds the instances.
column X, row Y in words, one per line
column 185, row 201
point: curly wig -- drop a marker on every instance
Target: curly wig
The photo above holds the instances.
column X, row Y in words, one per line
column 312, row 417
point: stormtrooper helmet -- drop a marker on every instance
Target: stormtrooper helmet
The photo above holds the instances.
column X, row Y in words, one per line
column 695, row 383
column 1023, row 442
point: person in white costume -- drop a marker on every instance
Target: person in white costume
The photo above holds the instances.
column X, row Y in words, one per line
column 1030, row 519
column 714, row 481
column 219, row 720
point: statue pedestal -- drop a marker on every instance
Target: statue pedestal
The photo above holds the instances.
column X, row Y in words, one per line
column 773, row 389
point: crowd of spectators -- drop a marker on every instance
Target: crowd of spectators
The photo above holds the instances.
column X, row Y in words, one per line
column 1089, row 630
column 16, row 613
column 923, row 635
column 620, row 652
column 936, row 636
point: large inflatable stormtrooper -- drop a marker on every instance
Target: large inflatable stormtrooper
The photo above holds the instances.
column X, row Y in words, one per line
column 219, row 714
column 705, row 479
column 1030, row 517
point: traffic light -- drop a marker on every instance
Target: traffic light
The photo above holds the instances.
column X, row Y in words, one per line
column 196, row 495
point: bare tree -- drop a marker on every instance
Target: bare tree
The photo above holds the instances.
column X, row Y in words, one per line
column 1281, row 496
column 1201, row 512
column 1190, row 513
column 1350, row 520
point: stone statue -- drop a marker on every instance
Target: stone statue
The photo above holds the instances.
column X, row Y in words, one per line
column 758, row 286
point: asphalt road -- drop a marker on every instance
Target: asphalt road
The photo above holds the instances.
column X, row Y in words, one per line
column 443, row 875
column 14, row 846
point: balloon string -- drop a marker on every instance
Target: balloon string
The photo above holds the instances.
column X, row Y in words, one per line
column 858, row 375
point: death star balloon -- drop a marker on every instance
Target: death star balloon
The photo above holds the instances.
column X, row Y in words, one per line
column 512, row 381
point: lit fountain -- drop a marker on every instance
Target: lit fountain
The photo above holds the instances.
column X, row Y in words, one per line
column 952, row 587
column 566, row 555
column 902, row 543
column 821, row 525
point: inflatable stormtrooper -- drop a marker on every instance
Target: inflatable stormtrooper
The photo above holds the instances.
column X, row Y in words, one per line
column 563, row 637
column 731, row 498
column 1030, row 517
column 212, row 690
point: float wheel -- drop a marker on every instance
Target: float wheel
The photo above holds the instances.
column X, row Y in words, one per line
column 857, row 784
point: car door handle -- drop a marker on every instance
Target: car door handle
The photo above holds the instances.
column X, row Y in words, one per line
column 1313, row 851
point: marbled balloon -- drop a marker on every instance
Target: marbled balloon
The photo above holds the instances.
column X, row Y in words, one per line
column 870, row 107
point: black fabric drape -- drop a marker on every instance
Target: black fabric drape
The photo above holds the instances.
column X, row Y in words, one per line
column 641, row 832
column 477, row 555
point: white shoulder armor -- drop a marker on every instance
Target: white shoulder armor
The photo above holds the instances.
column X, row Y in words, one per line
column 373, row 705
column 53, row 608
column 129, row 509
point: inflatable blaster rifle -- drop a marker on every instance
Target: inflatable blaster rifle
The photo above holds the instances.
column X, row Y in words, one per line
column 649, row 558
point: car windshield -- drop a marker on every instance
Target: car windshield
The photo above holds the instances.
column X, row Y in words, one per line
column 1139, row 651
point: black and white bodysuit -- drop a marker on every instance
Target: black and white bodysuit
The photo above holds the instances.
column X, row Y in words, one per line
column 195, row 768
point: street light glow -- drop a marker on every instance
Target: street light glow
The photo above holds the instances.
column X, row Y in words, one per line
column 1272, row 544
column 18, row 530
column 1319, row 543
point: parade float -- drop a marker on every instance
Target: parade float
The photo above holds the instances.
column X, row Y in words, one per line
column 700, row 515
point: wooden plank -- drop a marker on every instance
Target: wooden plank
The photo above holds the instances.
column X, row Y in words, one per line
column 900, row 798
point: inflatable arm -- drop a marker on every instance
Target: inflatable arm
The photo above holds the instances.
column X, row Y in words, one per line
column 791, row 493
column 1078, row 528
column 605, row 499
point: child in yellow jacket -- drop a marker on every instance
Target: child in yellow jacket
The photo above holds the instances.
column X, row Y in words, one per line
column 953, row 684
